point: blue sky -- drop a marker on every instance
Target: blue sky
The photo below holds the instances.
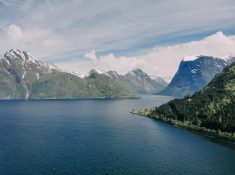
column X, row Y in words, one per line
column 64, row 31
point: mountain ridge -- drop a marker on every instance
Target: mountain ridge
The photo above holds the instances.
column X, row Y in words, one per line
column 24, row 77
column 139, row 82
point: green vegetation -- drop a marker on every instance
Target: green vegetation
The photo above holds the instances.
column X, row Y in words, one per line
column 210, row 111
column 23, row 77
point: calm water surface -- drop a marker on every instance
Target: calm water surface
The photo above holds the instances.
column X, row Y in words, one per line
column 101, row 137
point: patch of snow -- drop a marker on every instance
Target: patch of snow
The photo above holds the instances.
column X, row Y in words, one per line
column 23, row 56
column 19, row 53
column 37, row 74
column 227, row 58
column 15, row 53
column 24, row 74
column 138, row 73
column 27, row 93
column 99, row 71
column 113, row 74
column 77, row 74
column 8, row 62
column 23, row 77
column 158, row 79
column 9, row 54
column 154, row 77
column 194, row 71
column 50, row 67
column 191, row 58
column 30, row 58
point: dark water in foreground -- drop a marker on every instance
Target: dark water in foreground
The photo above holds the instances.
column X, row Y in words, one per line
column 101, row 137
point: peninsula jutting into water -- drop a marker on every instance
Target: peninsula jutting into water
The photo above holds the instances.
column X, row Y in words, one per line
column 210, row 111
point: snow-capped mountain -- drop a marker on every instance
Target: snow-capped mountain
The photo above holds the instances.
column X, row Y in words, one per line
column 139, row 82
column 16, row 56
column 114, row 75
column 194, row 73
column 24, row 77
column 159, row 80
column 22, row 66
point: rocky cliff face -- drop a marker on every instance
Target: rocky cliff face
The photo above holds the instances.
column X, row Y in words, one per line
column 195, row 74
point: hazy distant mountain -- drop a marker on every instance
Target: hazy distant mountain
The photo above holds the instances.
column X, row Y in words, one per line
column 24, row 77
column 139, row 82
column 194, row 74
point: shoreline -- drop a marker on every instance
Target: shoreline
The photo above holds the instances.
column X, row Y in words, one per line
column 229, row 141
column 52, row 99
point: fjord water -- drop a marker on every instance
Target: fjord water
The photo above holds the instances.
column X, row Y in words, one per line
column 101, row 137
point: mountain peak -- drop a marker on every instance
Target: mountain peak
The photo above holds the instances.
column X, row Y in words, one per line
column 137, row 71
column 113, row 73
column 13, row 52
column 193, row 75
column 25, row 58
column 95, row 71
column 21, row 55
column 16, row 51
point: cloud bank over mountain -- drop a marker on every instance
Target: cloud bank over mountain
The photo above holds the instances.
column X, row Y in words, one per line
column 162, row 61
column 118, row 31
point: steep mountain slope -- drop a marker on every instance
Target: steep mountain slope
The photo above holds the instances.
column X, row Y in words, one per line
column 138, row 82
column 193, row 75
column 24, row 77
column 212, row 108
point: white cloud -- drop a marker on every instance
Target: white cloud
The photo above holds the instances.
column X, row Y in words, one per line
column 91, row 55
column 77, row 25
column 62, row 30
column 14, row 32
column 162, row 61
column 40, row 42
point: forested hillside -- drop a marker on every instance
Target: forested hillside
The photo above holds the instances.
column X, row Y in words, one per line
column 211, row 110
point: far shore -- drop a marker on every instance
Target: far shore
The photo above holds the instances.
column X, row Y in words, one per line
column 96, row 98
